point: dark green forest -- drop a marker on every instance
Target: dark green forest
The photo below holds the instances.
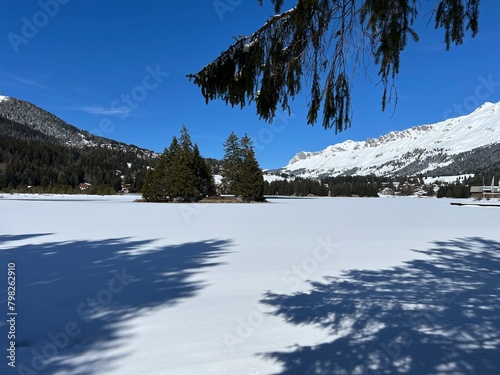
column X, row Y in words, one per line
column 30, row 161
column 342, row 186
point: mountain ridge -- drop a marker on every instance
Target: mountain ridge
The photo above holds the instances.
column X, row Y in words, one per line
column 39, row 120
column 419, row 149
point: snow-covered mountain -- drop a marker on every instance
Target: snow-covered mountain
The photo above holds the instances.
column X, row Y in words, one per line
column 456, row 145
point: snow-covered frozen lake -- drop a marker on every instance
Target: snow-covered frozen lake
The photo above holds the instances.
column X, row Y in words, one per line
column 296, row 286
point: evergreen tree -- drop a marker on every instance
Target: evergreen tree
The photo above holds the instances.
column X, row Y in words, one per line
column 240, row 170
column 160, row 184
column 251, row 181
column 147, row 187
column 231, row 163
column 246, row 144
column 156, row 187
column 182, row 169
column 178, row 173
column 441, row 192
column 204, row 180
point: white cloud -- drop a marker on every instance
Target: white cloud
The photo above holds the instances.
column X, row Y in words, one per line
column 101, row 111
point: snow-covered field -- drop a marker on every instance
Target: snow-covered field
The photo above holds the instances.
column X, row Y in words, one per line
column 296, row 286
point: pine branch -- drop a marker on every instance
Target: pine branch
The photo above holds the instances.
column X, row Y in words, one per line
column 319, row 40
column 242, row 41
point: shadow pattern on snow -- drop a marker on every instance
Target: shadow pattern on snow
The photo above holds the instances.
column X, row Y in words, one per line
column 75, row 298
column 435, row 316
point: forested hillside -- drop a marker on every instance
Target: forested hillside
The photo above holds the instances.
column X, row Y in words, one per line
column 32, row 161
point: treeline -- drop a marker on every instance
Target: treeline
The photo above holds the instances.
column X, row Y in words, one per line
column 370, row 186
column 457, row 190
column 461, row 187
column 34, row 164
column 347, row 186
column 342, row 186
column 300, row 187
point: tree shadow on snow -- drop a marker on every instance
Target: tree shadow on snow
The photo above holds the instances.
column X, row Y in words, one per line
column 75, row 298
column 435, row 316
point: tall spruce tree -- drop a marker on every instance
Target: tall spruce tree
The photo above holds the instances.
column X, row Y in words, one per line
column 172, row 171
column 231, row 163
column 155, row 187
column 183, row 165
column 242, row 175
column 204, row 180
column 246, row 144
column 251, row 184
column 320, row 43
column 147, row 186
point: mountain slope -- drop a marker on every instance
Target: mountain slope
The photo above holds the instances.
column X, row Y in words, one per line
column 37, row 119
column 40, row 151
column 452, row 143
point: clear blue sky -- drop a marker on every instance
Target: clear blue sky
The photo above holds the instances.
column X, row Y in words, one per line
column 82, row 59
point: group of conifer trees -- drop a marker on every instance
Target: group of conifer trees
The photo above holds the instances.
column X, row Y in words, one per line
column 183, row 175
column 180, row 174
column 241, row 174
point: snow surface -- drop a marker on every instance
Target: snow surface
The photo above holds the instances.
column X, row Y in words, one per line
column 268, row 178
column 447, row 179
column 2, row 98
column 271, row 178
column 108, row 286
column 377, row 156
column 217, row 179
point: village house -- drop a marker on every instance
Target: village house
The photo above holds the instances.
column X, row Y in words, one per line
column 484, row 192
column 85, row 186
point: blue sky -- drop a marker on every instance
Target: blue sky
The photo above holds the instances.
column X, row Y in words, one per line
column 118, row 69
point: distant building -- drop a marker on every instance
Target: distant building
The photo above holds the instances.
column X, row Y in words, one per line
column 387, row 191
column 126, row 188
column 85, row 186
column 485, row 192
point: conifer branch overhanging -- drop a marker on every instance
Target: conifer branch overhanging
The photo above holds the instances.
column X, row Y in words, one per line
column 317, row 42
